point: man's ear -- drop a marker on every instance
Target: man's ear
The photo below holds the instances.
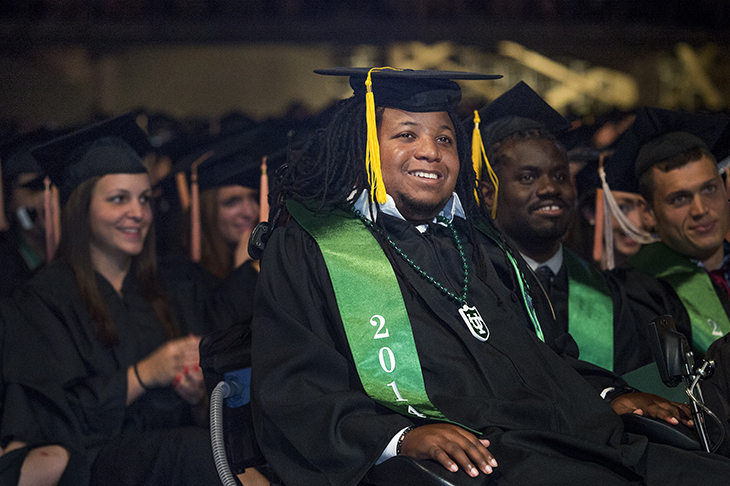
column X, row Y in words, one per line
column 648, row 219
column 487, row 189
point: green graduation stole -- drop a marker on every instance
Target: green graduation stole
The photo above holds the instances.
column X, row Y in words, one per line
column 382, row 345
column 694, row 288
column 372, row 310
column 590, row 311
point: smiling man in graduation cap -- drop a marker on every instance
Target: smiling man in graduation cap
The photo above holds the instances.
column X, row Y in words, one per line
column 392, row 318
column 534, row 206
column 678, row 176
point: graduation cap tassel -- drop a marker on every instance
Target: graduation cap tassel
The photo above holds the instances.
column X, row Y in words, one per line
column 478, row 153
column 194, row 215
column 182, row 190
column 598, row 227
column 264, row 192
column 608, row 262
column 195, row 207
column 611, row 210
column 372, row 151
column 49, row 219
column 56, row 206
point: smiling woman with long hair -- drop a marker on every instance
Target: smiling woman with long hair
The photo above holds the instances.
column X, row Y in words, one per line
column 119, row 377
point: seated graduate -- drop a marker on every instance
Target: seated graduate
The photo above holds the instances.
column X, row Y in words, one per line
column 533, row 201
column 679, row 178
column 227, row 209
column 105, row 357
column 23, row 241
column 21, row 464
column 393, row 318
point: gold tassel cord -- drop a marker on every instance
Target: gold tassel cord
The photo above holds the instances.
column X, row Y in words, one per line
column 372, row 151
column 477, row 155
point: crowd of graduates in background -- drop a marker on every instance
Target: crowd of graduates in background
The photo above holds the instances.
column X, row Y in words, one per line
column 203, row 275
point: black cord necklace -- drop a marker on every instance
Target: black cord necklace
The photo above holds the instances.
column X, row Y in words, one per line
column 470, row 315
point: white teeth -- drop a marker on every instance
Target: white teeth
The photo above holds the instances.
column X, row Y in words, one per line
column 549, row 208
column 130, row 230
column 425, row 175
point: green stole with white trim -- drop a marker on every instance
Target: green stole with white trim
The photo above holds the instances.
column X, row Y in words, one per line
column 590, row 311
column 373, row 312
column 694, row 288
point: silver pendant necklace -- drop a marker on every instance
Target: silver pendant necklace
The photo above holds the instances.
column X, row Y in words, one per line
column 470, row 315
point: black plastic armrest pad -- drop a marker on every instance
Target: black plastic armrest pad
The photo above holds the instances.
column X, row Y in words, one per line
column 406, row 471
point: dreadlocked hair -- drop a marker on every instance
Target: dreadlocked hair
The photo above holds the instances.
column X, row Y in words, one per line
column 332, row 164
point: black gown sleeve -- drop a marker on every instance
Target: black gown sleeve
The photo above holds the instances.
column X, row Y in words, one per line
column 203, row 303
column 314, row 422
column 48, row 399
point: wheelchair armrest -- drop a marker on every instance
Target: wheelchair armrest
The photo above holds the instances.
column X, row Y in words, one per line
column 661, row 432
column 406, row 471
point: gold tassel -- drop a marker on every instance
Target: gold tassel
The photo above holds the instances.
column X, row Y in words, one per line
column 372, row 151
column 477, row 155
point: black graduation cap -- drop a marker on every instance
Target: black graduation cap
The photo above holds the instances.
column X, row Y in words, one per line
column 228, row 169
column 17, row 159
column 408, row 89
column 114, row 146
column 656, row 135
column 518, row 109
column 404, row 89
column 226, row 161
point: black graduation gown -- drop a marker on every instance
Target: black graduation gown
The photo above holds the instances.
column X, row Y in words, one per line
column 316, row 425
column 15, row 270
column 64, row 386
column 649, row 298
column 630, row 316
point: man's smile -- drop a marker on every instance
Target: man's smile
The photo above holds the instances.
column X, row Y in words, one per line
column 422, row 174
column 549, row 208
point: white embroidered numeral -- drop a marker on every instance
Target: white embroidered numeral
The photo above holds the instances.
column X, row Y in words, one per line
column 415, row 412
column 391, row 360
column 397, row 393
column 715, row 330
column 379, row 321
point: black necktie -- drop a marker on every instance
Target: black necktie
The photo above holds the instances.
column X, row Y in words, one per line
column 545, row 276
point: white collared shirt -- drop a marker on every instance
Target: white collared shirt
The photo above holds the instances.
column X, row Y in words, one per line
column 553, row 263
column 452, row 209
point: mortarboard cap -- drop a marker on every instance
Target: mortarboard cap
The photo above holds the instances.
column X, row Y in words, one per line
column 656, row 135
column 233, row 158
column 17, row 159
column 228, row 163
column 113, row 146
column 408, row 89
column 518, row 109
column 404, row 89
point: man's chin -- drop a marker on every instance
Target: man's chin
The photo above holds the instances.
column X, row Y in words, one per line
column 414, row 210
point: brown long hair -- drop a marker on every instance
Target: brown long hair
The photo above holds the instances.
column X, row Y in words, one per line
column 74, row 246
